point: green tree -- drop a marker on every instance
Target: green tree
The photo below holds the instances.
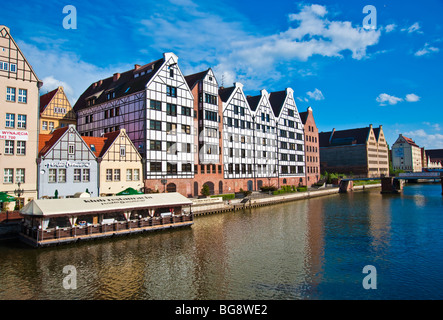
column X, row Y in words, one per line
column 205, row 190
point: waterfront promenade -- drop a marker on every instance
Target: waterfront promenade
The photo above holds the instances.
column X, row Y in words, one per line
column 259, row 199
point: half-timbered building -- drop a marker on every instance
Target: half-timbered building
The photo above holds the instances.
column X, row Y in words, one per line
column 19, row 98
column 55, row 111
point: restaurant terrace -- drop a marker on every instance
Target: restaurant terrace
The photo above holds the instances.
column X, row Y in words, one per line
column 55, row 221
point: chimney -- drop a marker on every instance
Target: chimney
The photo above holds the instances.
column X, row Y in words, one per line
column 100, row 82
column 116, row 76
column 94, row 85
column 136, row 66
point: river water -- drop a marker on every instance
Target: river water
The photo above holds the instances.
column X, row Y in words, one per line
column 307, row 249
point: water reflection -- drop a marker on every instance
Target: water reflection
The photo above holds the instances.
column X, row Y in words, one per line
column 309, row 249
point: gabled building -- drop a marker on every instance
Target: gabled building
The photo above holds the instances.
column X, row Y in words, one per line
column 290, row 133
column 312, row 151
column 362, row 152
column 66, row 165
column 238, row 138
column 406, row 155
column 265, row 141
column 55, row 111
column 208, row 167
column 154, row 104
column 19, row 98
column 120, row 165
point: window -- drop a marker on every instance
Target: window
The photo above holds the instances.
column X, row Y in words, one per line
column 210, row 115
column 136, row 176
column 108, row 174
column 171, row 128
column 3, row 66
column 128, row 174
column 211, row 99
column 21, row 121
column 186, row 129
column 155, row 125
column 10, row 94
column 22, row 95
column 155, row 145
column 13, row 67
column 290, row 112
column 10, row 120
column 171, row 168
column 116, row 174
column 122, row 151
column 155, row 166
column 171, row 91
column 51, row 125
column 186, row 167
column 52, row 176
column 45, row 125
column 186, row 147
column 156, row 105
column 86, row 175
column 71, row 149
column 186, row 111
column 171, row 109
column 106, row 114
column 61, row 175
column 77, row 175
column 8, row 175
column 20, row 175
column 21, row 148
column 9, row 146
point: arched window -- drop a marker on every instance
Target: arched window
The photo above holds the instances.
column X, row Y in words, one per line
column 171, row 187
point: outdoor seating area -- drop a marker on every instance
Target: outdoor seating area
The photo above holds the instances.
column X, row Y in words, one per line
column 54, row 221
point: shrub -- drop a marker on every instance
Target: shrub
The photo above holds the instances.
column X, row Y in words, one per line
column 205, row 190
column 268, row 188
column 302, row 189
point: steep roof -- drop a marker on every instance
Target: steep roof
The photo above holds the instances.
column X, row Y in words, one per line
column 96, row 144
column 225, row 93
column 46, row 98
column 253, row 101
column 435, row 154
column 276, row 99
column 192, row 79
column 125, row 85
column 48, row 140
column 303, row 116
column 344, row 137
column 410, row 141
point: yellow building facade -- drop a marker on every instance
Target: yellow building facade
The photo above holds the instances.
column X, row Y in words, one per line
column 55, row 111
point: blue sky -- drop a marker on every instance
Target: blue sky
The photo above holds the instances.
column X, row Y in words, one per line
column 351, row 76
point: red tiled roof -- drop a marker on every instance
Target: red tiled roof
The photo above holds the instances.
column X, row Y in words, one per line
column 410, row 141
column 98, row 142
column 50, row 141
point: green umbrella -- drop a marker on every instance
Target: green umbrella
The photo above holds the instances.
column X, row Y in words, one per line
column 4, row 197
column 129, row 191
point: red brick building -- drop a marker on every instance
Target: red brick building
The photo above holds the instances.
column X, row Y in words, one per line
column 312, row 150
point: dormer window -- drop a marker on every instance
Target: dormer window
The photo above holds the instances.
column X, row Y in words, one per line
column 90, row 102
column 110, row 95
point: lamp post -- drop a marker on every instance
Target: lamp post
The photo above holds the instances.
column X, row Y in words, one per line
column 18, row 192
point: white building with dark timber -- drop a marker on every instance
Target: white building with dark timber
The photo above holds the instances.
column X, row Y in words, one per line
column 154, row 104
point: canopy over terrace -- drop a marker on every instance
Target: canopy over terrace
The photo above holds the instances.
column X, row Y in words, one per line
column 82, row 206
column 54, row 221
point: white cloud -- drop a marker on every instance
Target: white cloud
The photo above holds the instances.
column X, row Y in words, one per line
column 385, row 98
column 426, row 50
column 316, row 95
column 390, row 27
column 58, row 68
column 412, row 97
column 425, row 139
column 234, row 47
column 413, row 28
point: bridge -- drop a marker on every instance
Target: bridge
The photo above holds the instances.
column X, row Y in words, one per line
column 392, row 184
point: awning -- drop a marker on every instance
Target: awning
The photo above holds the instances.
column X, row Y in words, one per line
column 96, row 205
column 4, row 197
column 129, row 191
